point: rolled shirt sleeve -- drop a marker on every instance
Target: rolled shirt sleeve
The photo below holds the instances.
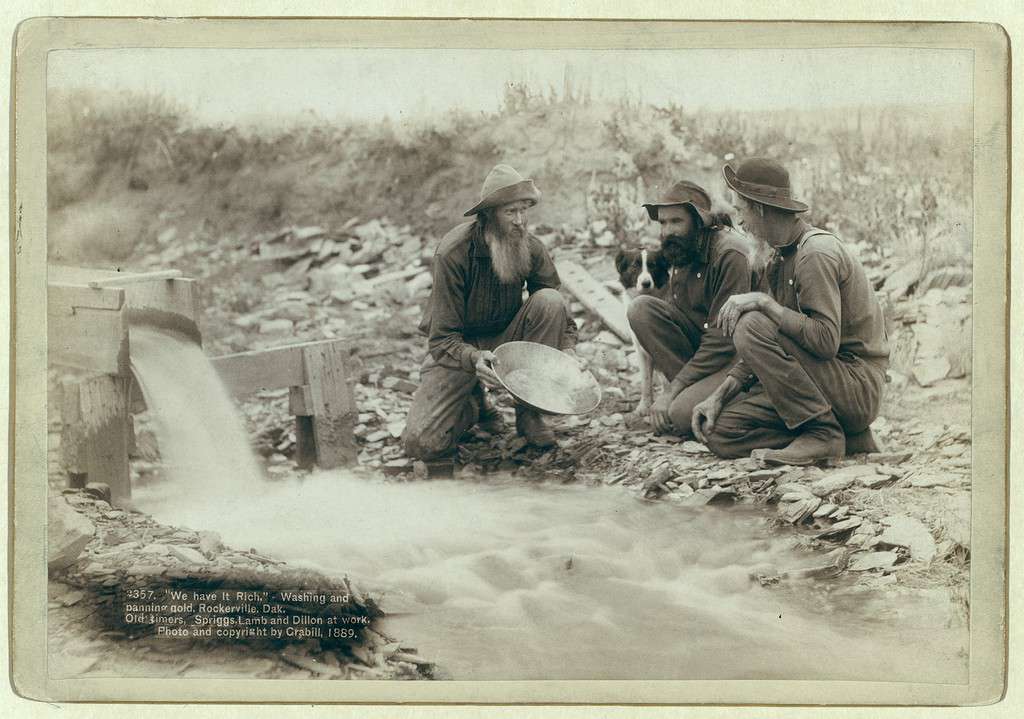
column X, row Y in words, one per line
column 816, row 327
column 730, row 277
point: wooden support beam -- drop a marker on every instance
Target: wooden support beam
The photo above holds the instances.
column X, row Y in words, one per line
column 95, row 436
column 331, row 402
column 246, row 372
column 595, row 297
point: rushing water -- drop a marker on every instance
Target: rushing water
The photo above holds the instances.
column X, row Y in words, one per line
column 501, row 579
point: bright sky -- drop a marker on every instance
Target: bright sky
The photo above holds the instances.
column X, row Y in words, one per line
column 221, row 85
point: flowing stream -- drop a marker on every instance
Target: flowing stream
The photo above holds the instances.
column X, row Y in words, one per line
column 503, row 579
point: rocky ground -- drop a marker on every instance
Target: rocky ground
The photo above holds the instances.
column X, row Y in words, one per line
column 899, row 517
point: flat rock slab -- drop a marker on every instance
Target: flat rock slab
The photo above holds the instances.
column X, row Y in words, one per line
column 866, row 561
column 67, row 534
column 839, row 527
column 904, row 531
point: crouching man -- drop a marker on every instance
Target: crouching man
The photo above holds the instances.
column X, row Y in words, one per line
column 813, row 352
column 708, row 262
column 480, row 269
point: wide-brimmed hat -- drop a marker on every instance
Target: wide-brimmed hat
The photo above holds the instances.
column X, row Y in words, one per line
column 765, row 181
column 684, row 193
column 502, row 186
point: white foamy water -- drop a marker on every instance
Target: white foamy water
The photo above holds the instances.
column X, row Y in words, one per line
column 501, row 579
column 202, row 438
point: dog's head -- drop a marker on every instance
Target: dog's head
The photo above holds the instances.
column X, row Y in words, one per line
column 641, row 270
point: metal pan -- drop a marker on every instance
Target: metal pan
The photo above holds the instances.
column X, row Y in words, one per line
column 546, row 379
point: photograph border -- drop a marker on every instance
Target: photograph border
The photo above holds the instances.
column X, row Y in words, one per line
column 990, row 400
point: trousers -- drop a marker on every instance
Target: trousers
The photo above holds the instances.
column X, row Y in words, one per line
column 793, row 387
column 671, row 339
column 447, row 402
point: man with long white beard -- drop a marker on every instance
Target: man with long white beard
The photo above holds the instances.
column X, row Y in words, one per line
column 480, row 270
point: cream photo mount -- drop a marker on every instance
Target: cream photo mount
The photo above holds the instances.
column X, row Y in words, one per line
column 38, row 37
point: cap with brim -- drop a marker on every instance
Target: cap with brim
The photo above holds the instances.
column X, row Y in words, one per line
column 764, row 181
column 502, row 186
column 683, row 193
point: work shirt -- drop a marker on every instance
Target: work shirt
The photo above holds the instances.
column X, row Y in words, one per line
column 699, row 290
column 830, row 307
column 469, row 301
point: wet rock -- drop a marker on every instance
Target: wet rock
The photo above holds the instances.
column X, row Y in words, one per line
column 874, row 481
column 824, row 510
column 840, row 479
column 797, row 512
column 710, row 495
column 794, row 488
column 904, row 531
column 866, row 561
column 839, row 528
column 67, row 534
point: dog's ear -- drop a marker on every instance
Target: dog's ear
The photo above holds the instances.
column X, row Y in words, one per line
column 621, row 261
column 656, row 260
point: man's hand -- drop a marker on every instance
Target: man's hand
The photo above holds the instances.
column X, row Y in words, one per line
column 485, row 369
column 736, row 305
column 705, row 414
column 660, row 420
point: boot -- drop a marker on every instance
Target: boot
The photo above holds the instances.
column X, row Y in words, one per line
column 489, row 418
column 531, row 425
column 820, row 439
column 861, row 443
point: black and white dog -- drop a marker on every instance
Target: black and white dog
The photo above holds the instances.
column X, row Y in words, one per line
column 643, row 272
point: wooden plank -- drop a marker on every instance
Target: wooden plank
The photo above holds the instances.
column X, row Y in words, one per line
column 87, row 338
column 332, row 403
column 127, row 278
column 595, row 297
column 247, row 372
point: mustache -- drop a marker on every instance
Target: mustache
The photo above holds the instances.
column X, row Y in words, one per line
column 679, row 249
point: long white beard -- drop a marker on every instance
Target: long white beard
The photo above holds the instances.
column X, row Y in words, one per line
column 510, row 256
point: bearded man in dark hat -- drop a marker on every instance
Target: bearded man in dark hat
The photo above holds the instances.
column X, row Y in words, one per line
column 813, row 348
column 708, row 262
column 480, row 270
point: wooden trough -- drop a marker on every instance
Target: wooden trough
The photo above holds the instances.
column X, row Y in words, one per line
column 90, row 314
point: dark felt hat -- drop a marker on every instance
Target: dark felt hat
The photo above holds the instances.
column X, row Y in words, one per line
column 684, row 193
column 765, row 181
column 502, row 186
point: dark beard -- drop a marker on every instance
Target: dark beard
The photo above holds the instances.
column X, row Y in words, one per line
column 510, row 255
column 680, row 250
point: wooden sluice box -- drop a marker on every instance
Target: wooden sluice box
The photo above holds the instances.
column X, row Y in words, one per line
column 90, row 314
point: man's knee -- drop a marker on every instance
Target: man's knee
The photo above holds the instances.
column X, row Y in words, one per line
column 547, row 302
column 643, row 311
column 753, row 329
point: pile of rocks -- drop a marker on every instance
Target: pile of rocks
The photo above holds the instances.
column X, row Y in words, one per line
column 98, row 552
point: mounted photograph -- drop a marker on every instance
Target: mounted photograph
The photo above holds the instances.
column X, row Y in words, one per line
column 601, row 356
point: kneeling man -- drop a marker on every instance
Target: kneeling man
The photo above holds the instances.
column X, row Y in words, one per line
column 813, row 352
column 476, row 304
